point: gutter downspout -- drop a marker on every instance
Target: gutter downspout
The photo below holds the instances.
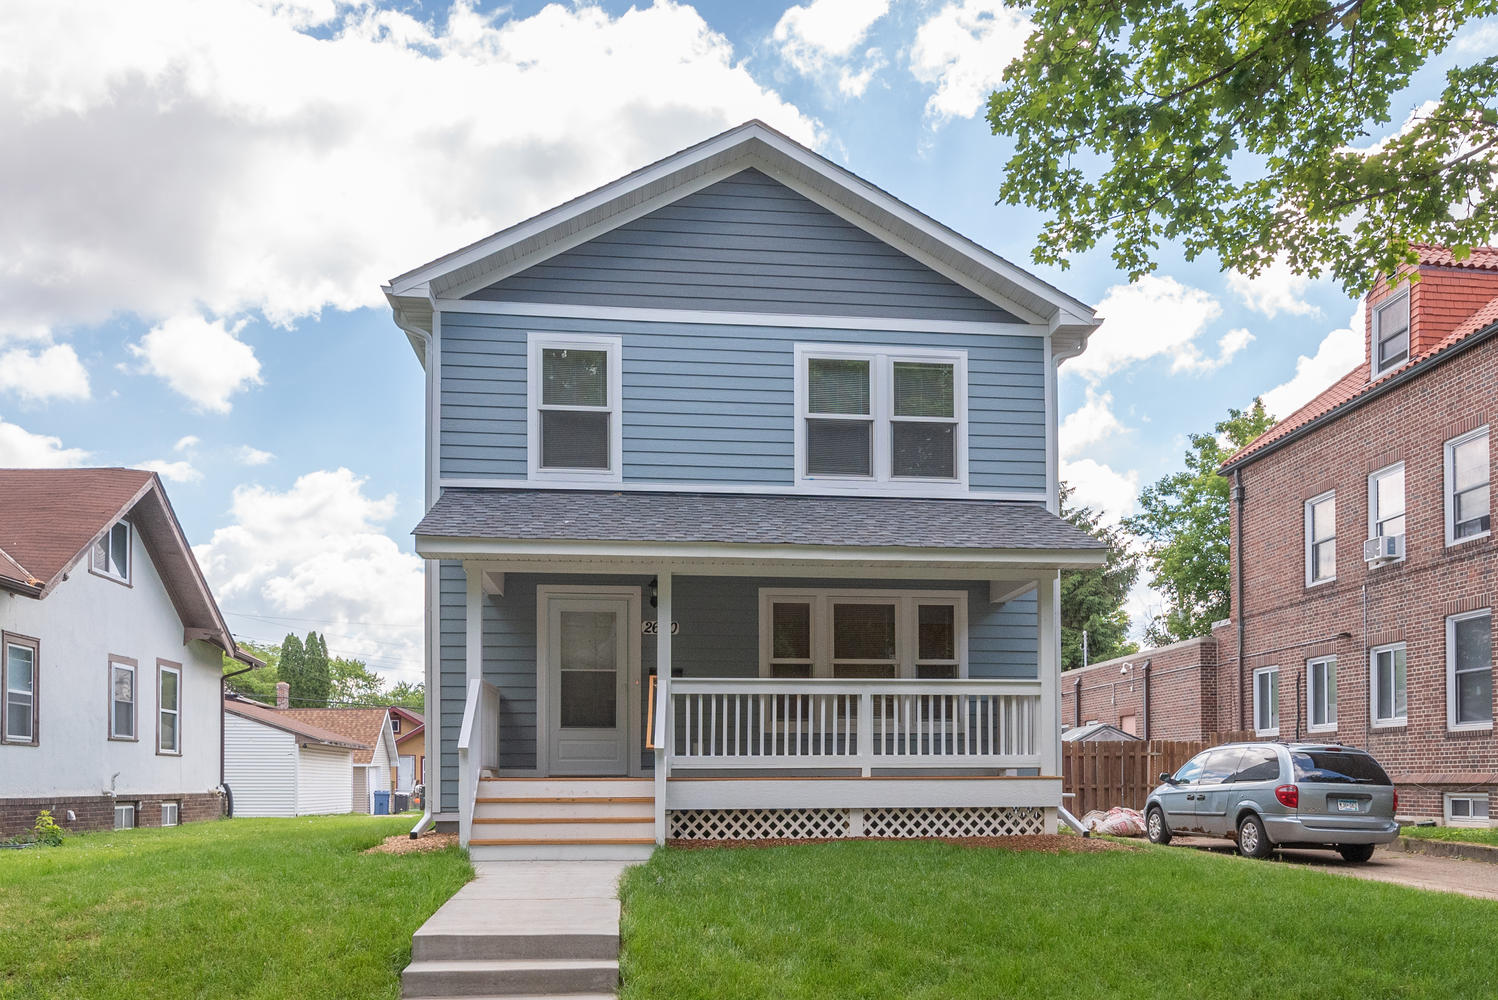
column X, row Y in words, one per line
column 1146, row 699
column 1238, row 571
column 222, row 691
column 1077, row 700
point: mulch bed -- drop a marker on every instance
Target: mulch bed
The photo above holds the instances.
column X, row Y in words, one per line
column 402, row 843
column 1036, row 842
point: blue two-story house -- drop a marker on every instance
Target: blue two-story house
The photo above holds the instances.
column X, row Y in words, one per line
column 741, row 516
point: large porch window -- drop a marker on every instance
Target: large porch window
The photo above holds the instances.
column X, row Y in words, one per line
column 871, row 634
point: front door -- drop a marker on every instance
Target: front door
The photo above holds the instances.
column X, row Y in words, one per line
column 588, row 647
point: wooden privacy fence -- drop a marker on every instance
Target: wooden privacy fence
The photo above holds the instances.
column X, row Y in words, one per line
column 1105, row 774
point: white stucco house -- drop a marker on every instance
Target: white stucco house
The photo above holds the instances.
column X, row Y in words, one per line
column 111, row 655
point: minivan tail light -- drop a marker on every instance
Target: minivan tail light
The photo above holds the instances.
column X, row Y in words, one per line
column 1289, row 796
column 1396, row 800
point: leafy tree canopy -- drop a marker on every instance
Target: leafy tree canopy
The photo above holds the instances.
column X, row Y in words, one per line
column 1183, row 523
column 1230, row 126
column 1093, row 600
column 350, row 682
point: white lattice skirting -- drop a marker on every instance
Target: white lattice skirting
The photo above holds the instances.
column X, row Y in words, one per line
column 833, row 824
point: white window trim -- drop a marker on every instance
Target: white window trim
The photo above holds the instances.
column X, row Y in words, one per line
column 1310, row 540
column 1448, row 488
column 133, row 818
column 1331, row 668
column 1451, row 724
column 881, row 405
column 907, row 637
column 162, row 669
column 134, row 734
column 1273, row 730
column 1396, row 301
column 1373, row 512
column 1474, row 821
column 536, row 342
column 1393, row 721
column 176, row 814
column 105, row 571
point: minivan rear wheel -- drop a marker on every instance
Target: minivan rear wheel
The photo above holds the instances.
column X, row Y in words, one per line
column 1253, row 842
column 1154, row 826
column 1356, row 853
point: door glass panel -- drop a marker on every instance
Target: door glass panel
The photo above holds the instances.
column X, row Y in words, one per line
column 589, row 668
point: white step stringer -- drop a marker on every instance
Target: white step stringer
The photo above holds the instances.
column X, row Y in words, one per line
column 554, row 819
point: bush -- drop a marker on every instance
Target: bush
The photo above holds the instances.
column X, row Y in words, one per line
column 45, row 830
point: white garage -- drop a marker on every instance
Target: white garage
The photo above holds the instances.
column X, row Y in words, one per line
column 276, row 765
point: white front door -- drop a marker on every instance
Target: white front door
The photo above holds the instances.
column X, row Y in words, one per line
column 588, row 659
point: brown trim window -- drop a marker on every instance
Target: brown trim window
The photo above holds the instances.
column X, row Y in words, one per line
column 122, row 697
column 20, row 659
column 168, row 707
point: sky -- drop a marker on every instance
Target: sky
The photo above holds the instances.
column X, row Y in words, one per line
column 202, row 201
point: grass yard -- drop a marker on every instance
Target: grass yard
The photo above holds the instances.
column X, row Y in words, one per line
column 1465, row 834
column 928, row 920
column 244, row 908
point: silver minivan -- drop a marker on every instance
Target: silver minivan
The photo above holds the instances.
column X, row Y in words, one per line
column 1270, row 795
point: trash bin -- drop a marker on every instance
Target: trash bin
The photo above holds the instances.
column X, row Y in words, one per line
column 402, row 801
column 382, row 802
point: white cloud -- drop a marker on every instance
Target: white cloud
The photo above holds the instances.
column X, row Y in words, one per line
column 177, row 472
column 184, row 443
column 1091, row 423
column 1481, row 38
column 263, row 168
column 206, row 362
column 21, row 449
column 317, row 553
column 853, row 84
column 1277, row 289
column 823, row 32
column 962, row 51
column 49, row 373
column 1338, row 353
column 1113, row 494
column 1155, row 317
column 252, row 456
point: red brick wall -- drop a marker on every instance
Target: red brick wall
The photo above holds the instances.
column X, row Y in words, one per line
column 1180, row 708
column 1439, row 302
column 96, row 812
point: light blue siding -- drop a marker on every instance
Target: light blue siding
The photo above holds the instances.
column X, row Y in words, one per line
column 719, row 637
column 746, row 244
column 715, row 404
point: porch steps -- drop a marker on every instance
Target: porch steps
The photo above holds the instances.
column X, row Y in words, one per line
column 563, row 818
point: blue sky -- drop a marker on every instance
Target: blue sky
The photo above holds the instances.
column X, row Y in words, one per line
column 203, row 199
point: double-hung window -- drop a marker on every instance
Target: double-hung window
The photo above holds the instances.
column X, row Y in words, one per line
column 875, row 634
column 574, row 424
column 1321, row 539
column 1267, row 701
column 110, row 556
column 1321, row 694
column 1391, row 333
column 1387, row 685
column 1467, row 498
column 122, row 698
column 168, row 707
column 18, row 666
column 1386, row 502
column 1469, row 670
column 880, row 416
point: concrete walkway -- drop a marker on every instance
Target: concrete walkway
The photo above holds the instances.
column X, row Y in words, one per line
column 523, row 928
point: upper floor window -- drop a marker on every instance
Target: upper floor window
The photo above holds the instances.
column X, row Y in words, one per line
column 110, row 555
column 574, row 403
column 1467, row 504
column 18, row 665
column 1469, row 670
column 1321, row 539
column 395, row 724
column 1267, row 701
column 1387, row 690
column 867, row 634
column 881, row 416
column 1386, row 502
column 1391, row 333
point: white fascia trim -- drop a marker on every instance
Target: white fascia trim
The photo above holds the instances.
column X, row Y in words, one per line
column 923, row 491
column 710, row 317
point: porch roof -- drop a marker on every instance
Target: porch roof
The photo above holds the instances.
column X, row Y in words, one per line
column 807, row 522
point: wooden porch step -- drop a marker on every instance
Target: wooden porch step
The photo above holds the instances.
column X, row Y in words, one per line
column 564, row 819
column 566, row 798
column 541, row 842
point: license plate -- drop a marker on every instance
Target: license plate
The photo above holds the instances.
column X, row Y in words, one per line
column 1347, row 805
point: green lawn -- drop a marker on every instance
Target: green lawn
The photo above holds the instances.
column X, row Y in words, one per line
column 929, row 920
column 244, row 908
column 1466, row 834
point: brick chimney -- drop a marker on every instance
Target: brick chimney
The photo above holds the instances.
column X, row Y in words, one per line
column 1448, row 292
column 283, row 694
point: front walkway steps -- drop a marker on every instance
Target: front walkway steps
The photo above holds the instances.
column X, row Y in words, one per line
column 522, row 930
column 557, row 819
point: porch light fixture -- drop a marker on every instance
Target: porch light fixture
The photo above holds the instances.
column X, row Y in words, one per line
column 654, row 588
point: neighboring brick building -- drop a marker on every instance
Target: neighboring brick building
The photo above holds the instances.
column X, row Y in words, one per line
column 1165, row 693
column 1395, row 653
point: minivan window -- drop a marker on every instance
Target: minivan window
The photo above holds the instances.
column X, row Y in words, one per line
column 1338, row 767
column 1220, row 765
column 1258, row 764
column 1192, row 769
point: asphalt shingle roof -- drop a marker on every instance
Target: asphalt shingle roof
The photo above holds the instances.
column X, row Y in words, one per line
column 751, row 519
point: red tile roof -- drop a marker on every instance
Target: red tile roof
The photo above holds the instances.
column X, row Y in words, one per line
column 1481, row 258
column 285, row 722
column 359, row 725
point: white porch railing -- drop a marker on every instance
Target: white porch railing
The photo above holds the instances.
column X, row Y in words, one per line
column 865, row 724
column 478, row 749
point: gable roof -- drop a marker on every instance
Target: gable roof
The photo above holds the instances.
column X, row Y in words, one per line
column 364, row 726
column 280, row 719
column 752, row 144
column 50, row 518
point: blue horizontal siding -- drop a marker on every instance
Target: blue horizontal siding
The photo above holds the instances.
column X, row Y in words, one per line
column 746, row 243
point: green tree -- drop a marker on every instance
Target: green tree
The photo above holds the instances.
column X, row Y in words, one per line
column 260, row 683
column 319, row 685
column 409, row 695
column 293, row 670
column 353, row 683
column 1093, row 600
column 1231, row 127
column 1183, row 524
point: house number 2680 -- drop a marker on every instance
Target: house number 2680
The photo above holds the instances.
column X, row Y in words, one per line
column 654, row 628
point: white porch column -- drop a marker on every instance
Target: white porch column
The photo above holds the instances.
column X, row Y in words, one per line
column 1048, row 620
column 664, row 711
column 473, row 623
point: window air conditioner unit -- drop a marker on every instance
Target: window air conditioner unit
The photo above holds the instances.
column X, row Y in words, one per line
column 1385, row 548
